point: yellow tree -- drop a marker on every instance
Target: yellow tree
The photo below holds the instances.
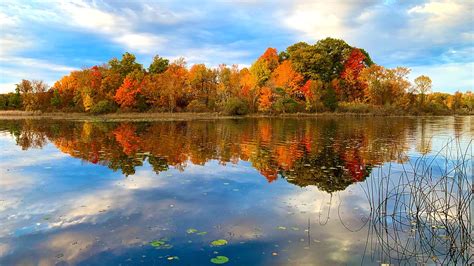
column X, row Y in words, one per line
column 422, row 87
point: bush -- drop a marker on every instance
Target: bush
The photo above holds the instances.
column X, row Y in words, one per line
column 103, row 107
column 196, row 106
column 354, row 107
column 286, row 105
column 235, row 106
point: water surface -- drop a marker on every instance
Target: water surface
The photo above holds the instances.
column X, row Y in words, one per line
column 313, row 191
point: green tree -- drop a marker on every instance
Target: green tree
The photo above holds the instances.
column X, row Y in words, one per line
column 126, row 65
column 158, row 65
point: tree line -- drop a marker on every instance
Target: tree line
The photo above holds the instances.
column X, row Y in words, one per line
column 329, row 75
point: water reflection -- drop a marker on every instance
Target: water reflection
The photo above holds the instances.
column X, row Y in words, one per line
column 268, row 186
column 330, row 154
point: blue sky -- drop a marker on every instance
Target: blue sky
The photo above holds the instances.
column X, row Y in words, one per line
column 47, row 39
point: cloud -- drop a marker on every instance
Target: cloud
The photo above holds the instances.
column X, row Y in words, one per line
column 427, row 35
column 449, row 77
column 77, row 32
column 15, row 68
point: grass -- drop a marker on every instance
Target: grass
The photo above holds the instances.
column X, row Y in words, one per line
column 423, row 213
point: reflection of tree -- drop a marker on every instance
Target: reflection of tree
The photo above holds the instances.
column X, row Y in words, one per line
column 327, row 170
column 424, row 143
column 328, row 153
column 159, row 164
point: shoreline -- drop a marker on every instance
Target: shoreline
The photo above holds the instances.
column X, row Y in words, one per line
column 155, row 116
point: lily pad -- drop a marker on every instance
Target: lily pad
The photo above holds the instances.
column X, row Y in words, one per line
column 220, row 260
column 160, row 244
column 157, row 243
column 191, row 231
column 173, row 258
column 201, row 233
column 219, row 242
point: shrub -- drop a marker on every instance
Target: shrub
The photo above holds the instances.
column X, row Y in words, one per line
column 235, row 106
column 286, row 105
column 196, row 106
column 354, row 107
column 103, row 107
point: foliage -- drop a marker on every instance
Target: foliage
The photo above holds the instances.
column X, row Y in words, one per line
column 196, row 106
column 305, row 77
column 286, row 105
column 103, row 107
column 354, row 107
column 235, row 106
column 422, row 87
column 158, row 65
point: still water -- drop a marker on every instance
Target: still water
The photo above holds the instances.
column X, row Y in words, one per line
column 312, row 191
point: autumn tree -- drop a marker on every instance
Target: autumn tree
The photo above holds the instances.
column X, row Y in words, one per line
column 203, row 83
column 422, row 87
column 385, row 86
column 260, row 72
column 175, row 84
column 265, row 100
column 248, row 88
column 350, row 88
column 131, row 87
column 228, row 86
column 288, row 79
column 30, row 92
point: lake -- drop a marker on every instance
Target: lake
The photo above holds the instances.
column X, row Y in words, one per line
column 268, row 191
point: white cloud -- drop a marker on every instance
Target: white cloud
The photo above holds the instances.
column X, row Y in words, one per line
column 432, row 36
column 143, row 42
column 17, row 68
column 35, row 63
column 448, row 77
column 116, row 26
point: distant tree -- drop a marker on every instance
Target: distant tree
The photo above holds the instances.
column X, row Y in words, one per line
column 158, row 65
column 385, row 86
column 203, row 83
column 30, row 93
column 126, row 65
column 422, row 87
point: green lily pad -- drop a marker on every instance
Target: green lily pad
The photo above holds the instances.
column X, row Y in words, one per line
column 219, row 242
column 160, row 244
column 157, row 243
column 191, row 231
column 220, row 260
column 201, row 233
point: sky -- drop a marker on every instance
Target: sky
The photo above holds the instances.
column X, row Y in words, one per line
column 48, row 39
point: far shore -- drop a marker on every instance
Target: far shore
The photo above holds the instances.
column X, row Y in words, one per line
column 185, row 116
